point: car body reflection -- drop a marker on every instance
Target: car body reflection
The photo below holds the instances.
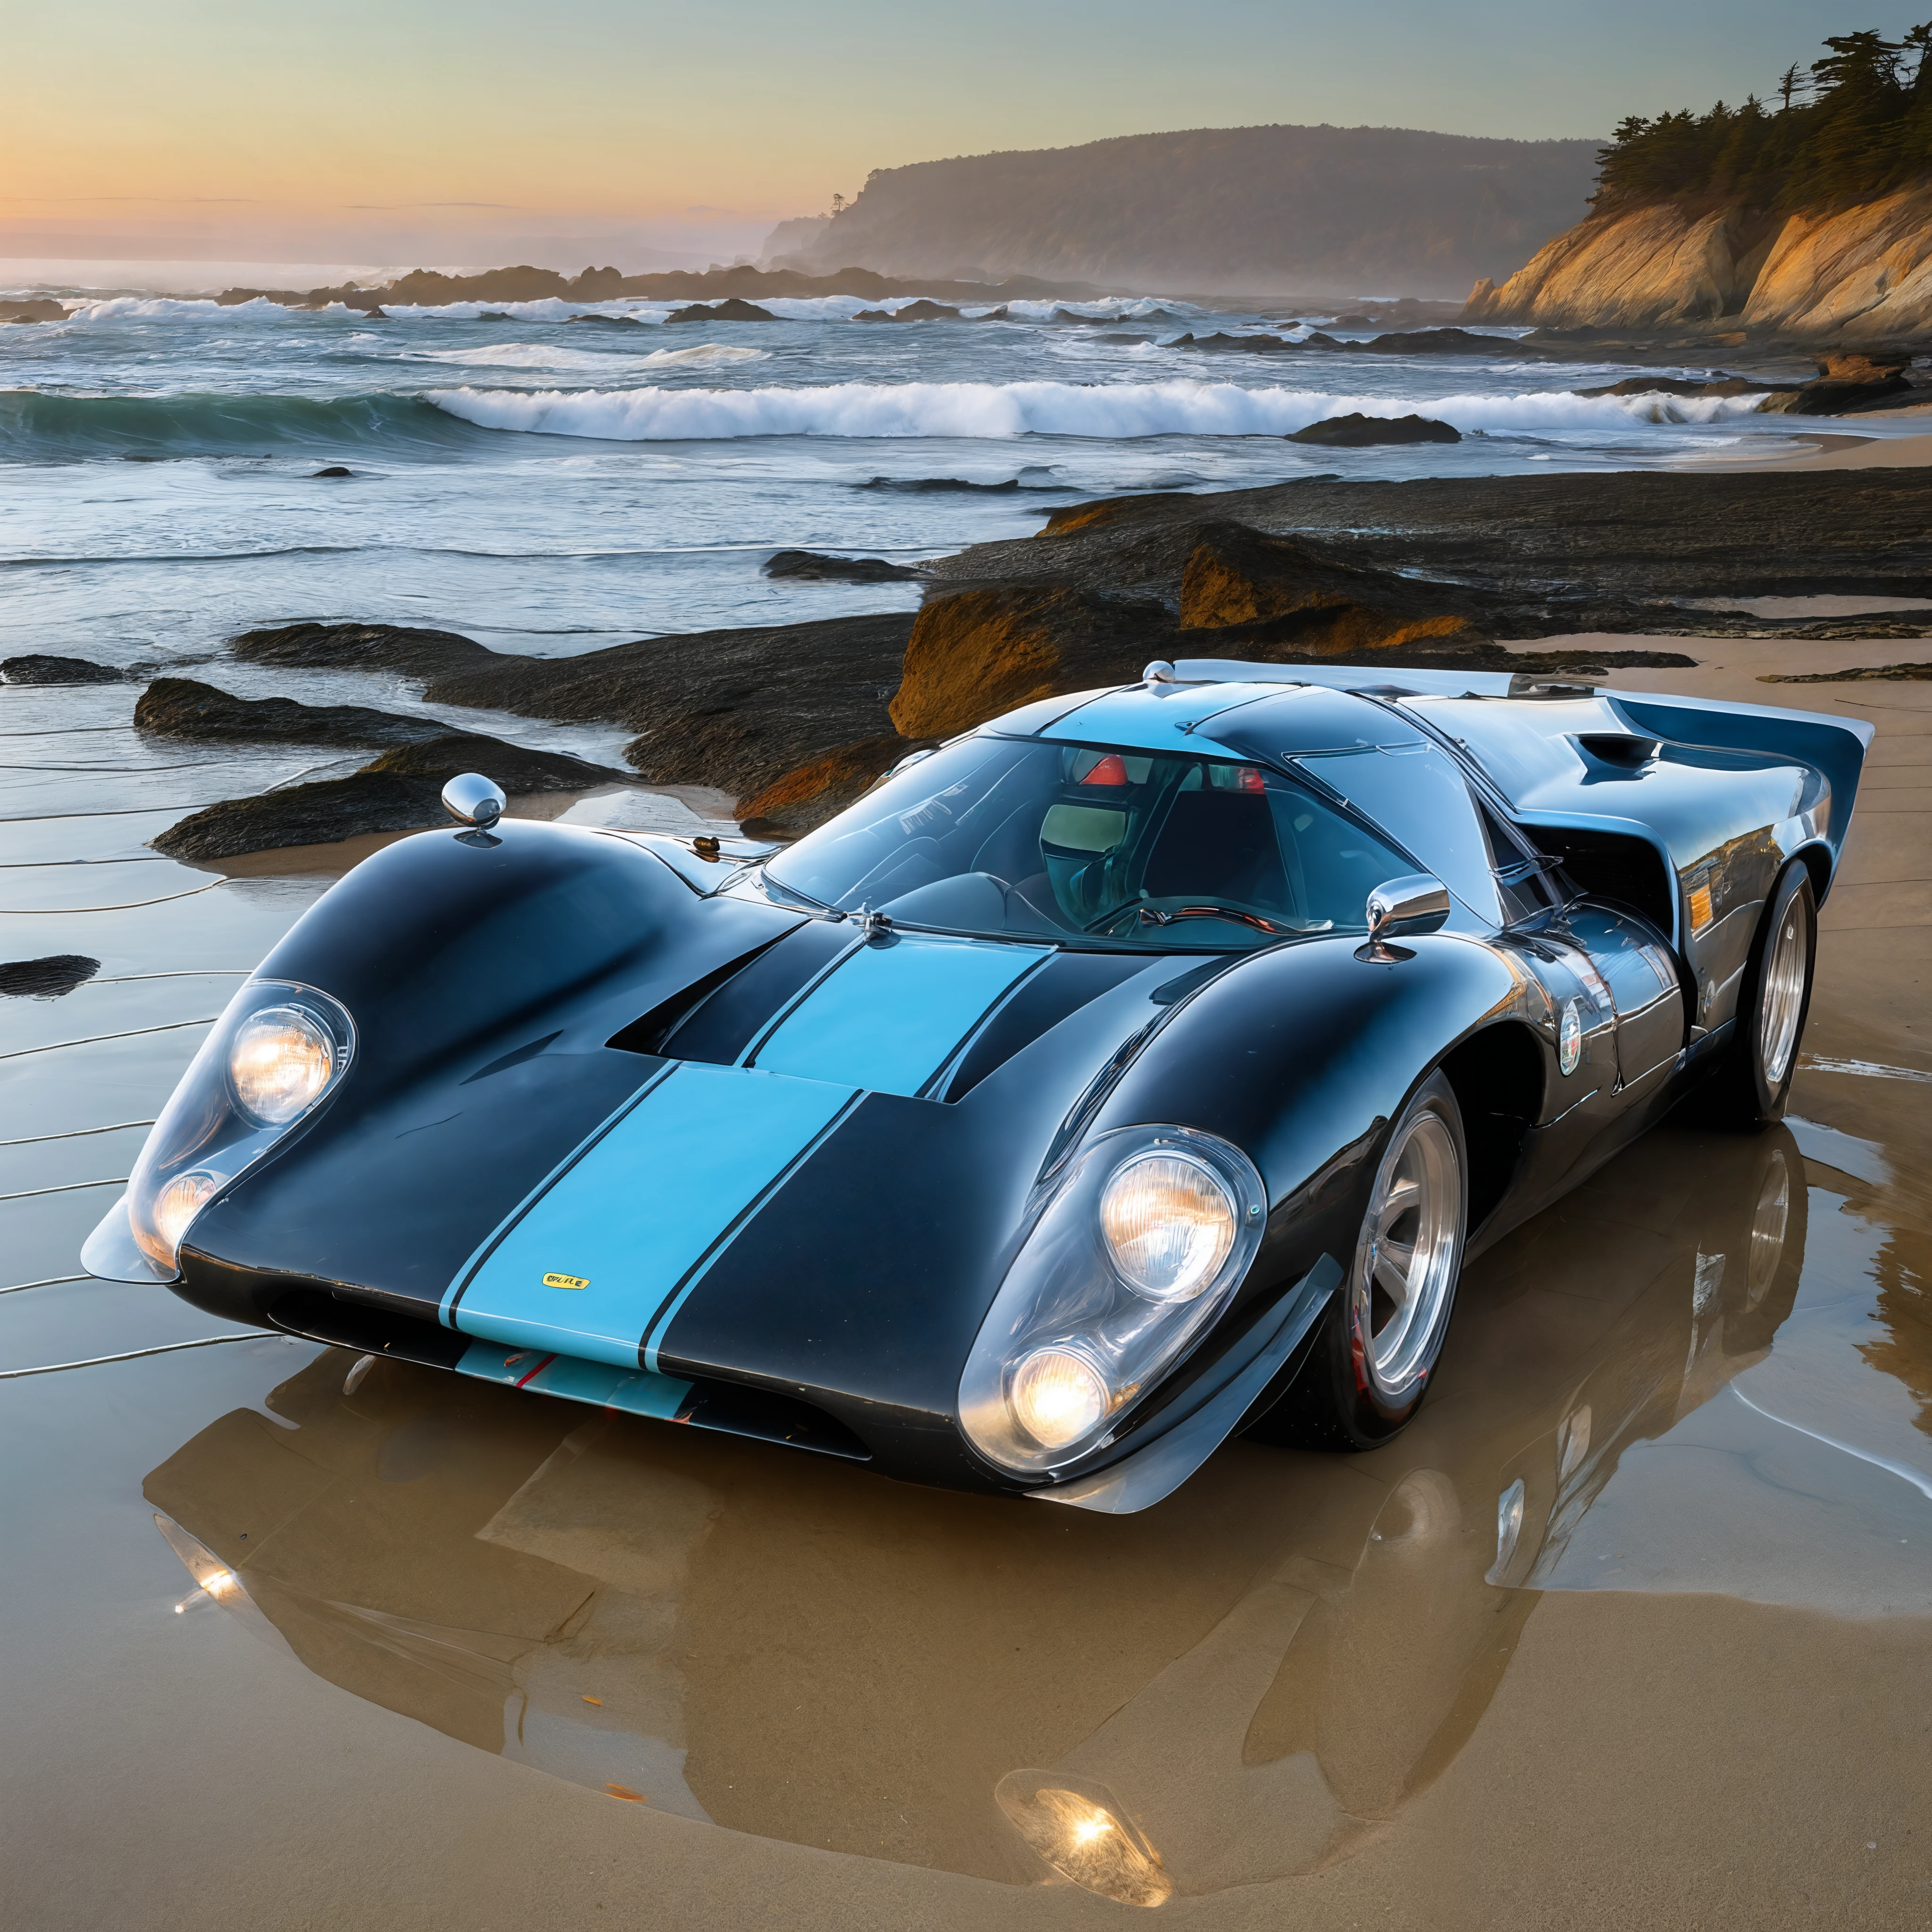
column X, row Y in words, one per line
column 1235, row 1685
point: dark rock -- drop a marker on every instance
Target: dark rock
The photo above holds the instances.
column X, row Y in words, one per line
column 46, row 979
column 35, row 669
column 333, row 469
column 1353, row 322
column 1847, row 381
column 922, row 485
column 495, row 315
column 1065, row 318
column 35, row 308
column 417, row 653
column 736, row 708
column 1678, row 385
column 1251, row 345
column 376, row 315
column 398, row 792
column 731, row 309
column 180, row 707
column 1002, row 313
column 809, row 567
column 918, row 311
column 607, row 321
column 1629, row 551
column 1438, row 342
column 1356, row 431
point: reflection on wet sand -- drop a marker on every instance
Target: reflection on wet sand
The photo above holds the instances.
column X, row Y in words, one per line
column 1232, row 1687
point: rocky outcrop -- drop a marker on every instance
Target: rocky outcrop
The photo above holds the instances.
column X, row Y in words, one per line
column 730, row 310
column 976, row 654
column 398, row 792
column 1324, row 607
column 183, row 707
column 1864, row 271
column 35, row 308
column 1679, row 385
column 35, row 668
column 809, row 566
column 1437, row 342
column 400, row 647
column 921, row 310
column 1356, row 431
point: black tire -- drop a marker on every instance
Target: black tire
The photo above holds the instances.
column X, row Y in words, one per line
column 1341, row 1398
column 1748, row 1090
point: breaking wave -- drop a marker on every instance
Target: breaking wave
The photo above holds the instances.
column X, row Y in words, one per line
column 36, row 427
column 1005, row 409
column 538, row 355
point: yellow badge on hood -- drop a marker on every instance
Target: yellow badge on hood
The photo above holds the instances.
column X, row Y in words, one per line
column 566, row 1281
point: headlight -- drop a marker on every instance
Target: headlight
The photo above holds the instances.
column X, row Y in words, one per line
column 282, row 1058
column 1169, row 1224
column 1058, row 1396
column 277, row 1052
column 1141, row 1244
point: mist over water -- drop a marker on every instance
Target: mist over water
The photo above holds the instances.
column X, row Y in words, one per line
column 551, row 483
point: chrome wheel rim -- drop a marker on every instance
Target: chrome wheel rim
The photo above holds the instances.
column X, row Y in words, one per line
column 1783, row 993
column 1405, row 1269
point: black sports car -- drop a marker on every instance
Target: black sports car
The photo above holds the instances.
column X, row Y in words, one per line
column 1140, row 1067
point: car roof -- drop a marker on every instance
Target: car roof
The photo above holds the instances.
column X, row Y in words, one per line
column 1269, row 719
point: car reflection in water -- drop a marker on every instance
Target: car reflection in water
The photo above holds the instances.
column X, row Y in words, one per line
column 1230, row 1687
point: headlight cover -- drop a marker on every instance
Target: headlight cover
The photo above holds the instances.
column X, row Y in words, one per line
column 1140, row 1247
column 273, row 1056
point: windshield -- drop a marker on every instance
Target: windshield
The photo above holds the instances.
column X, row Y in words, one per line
column 1017, row 837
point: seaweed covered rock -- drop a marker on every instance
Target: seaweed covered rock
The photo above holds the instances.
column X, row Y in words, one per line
column 183, row 707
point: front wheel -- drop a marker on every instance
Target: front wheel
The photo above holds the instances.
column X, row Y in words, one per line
column 1750, row 1089
column 1378, row 1342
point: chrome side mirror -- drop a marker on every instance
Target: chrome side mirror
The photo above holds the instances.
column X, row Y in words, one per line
column 471, row 799
column 1417, row 903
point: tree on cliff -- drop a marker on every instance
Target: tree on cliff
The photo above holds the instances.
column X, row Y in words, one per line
column 1866, row 130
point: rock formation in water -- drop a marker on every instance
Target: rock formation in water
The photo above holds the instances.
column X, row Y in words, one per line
column 730, row 310
column 809, row 566
column 1356, row 431
column 184, row 707
column 37, row 668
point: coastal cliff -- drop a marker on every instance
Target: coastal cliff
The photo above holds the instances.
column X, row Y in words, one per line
column 1862, row 272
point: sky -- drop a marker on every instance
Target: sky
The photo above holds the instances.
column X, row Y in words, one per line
column 391, row 132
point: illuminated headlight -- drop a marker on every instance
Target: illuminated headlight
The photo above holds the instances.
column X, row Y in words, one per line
column 177, row 1203
column 282, row 1058
column 1140, row 1246
column 1058, row 1396
column 272, row 1057
column 1169, row 1224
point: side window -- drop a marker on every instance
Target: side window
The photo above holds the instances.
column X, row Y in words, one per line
column 1415, row 793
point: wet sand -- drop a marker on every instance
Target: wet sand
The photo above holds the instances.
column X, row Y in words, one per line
column 1692, row 1693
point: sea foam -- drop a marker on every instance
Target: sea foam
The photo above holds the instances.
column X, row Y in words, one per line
column 1003, row 409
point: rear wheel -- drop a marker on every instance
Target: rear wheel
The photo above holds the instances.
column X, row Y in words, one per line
column 1379, row 1341
column 1750, row 1089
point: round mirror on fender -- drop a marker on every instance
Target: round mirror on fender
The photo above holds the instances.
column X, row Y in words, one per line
column 470, row 799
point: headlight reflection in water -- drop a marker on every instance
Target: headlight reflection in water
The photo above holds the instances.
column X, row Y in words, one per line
column 1081, row 1829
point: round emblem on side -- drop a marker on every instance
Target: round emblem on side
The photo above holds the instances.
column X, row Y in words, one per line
column 1570, row 1038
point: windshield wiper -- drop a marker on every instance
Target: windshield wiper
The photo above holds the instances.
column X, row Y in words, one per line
column 1153, row 915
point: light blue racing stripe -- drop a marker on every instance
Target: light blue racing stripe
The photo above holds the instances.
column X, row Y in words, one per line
column 642, row 1214
column 636, row 1392
column 888, row 1017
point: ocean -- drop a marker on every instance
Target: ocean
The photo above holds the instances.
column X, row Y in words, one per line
column 550, row 484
